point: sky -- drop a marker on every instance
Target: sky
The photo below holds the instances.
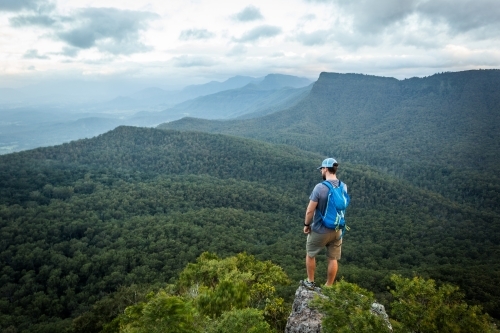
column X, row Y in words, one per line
column 171, row 44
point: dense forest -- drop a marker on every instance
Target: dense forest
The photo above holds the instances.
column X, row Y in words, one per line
column 440, row 132
column 87, row 224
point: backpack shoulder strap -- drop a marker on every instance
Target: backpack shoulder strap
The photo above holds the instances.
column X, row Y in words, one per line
column 328, row 184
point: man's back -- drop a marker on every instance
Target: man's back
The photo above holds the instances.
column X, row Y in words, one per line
column 320, row 195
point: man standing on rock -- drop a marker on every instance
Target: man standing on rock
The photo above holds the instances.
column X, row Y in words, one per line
column 318, row 235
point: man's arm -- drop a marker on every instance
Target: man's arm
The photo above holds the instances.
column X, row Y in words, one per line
column 311, row 207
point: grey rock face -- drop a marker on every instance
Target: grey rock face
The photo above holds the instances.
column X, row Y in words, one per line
column 303, row 319
column 379, row 310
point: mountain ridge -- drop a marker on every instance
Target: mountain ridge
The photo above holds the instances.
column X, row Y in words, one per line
column 359, row 101
column 273, row 93
column 419, row 129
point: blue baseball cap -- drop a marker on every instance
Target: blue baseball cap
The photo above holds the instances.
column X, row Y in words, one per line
column 328, row 163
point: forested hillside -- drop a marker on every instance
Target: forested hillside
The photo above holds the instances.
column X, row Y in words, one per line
column 134, row 206
column 440, row 132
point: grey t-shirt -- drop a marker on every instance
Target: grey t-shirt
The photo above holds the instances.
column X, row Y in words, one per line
column 320, row 195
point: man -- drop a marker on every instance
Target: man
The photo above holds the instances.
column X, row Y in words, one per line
column 319, row 236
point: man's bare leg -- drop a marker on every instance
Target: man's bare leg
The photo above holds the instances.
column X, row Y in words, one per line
column 332, row 271
column 310, row 267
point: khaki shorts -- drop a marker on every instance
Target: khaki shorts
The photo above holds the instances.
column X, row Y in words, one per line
column 316, row 242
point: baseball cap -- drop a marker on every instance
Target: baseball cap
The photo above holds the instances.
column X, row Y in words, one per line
column 328, row 163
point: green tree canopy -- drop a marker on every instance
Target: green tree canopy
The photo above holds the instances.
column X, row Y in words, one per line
column 234, row 294
column 420, row 306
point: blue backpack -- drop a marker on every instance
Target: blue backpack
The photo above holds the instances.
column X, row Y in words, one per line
column 337, row 202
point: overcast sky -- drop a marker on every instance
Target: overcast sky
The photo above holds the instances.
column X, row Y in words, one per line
column 174, row 43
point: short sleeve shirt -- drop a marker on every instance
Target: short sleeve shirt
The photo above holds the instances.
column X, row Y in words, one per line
column 320, row 195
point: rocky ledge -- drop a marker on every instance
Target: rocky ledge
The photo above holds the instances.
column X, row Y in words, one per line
column 305, row 319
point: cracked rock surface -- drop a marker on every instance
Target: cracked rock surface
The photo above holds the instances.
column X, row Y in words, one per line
column 303, row 319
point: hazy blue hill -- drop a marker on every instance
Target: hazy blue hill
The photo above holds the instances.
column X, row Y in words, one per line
column 42, row 123
column 29, row 127
column 282, row 99
column 29, row 115
column 29, row 133
column 238, row 102
column 277, row 81
column 154, row 97
column 158, row 99
column 249, row 101
column 49, row 114
column 135, row 205
column 224, row 91
column 149, row 93
column 215, row 86
column 120, row 103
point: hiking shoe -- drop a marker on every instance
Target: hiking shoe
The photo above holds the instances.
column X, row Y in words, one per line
column 309, row 285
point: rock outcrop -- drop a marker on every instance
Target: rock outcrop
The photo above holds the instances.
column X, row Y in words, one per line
column 379, row 310
column 305, row 319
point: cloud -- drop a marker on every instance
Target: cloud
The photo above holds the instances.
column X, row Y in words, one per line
column 480, row 19
column 18, row 5
column 71, row 52
column 196, row 34
column 319, row 37
column 463, row 15
column 33, row 54
column 360, row 23
column 373, row 17
column 278, row 55
column 193, row 61
column 108, row 29
column 249, row 13
column 39, row 12
column 308, row 17
column 237, row 50
column 263, row 31
column 29, row 20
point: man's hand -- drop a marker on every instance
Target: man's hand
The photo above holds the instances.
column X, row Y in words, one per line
column 307, row 229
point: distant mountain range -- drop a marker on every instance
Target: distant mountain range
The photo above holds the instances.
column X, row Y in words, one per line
column 273, row 93
column 419, row 129
column 456, row 116
column 50, row 125
column 159, row 98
